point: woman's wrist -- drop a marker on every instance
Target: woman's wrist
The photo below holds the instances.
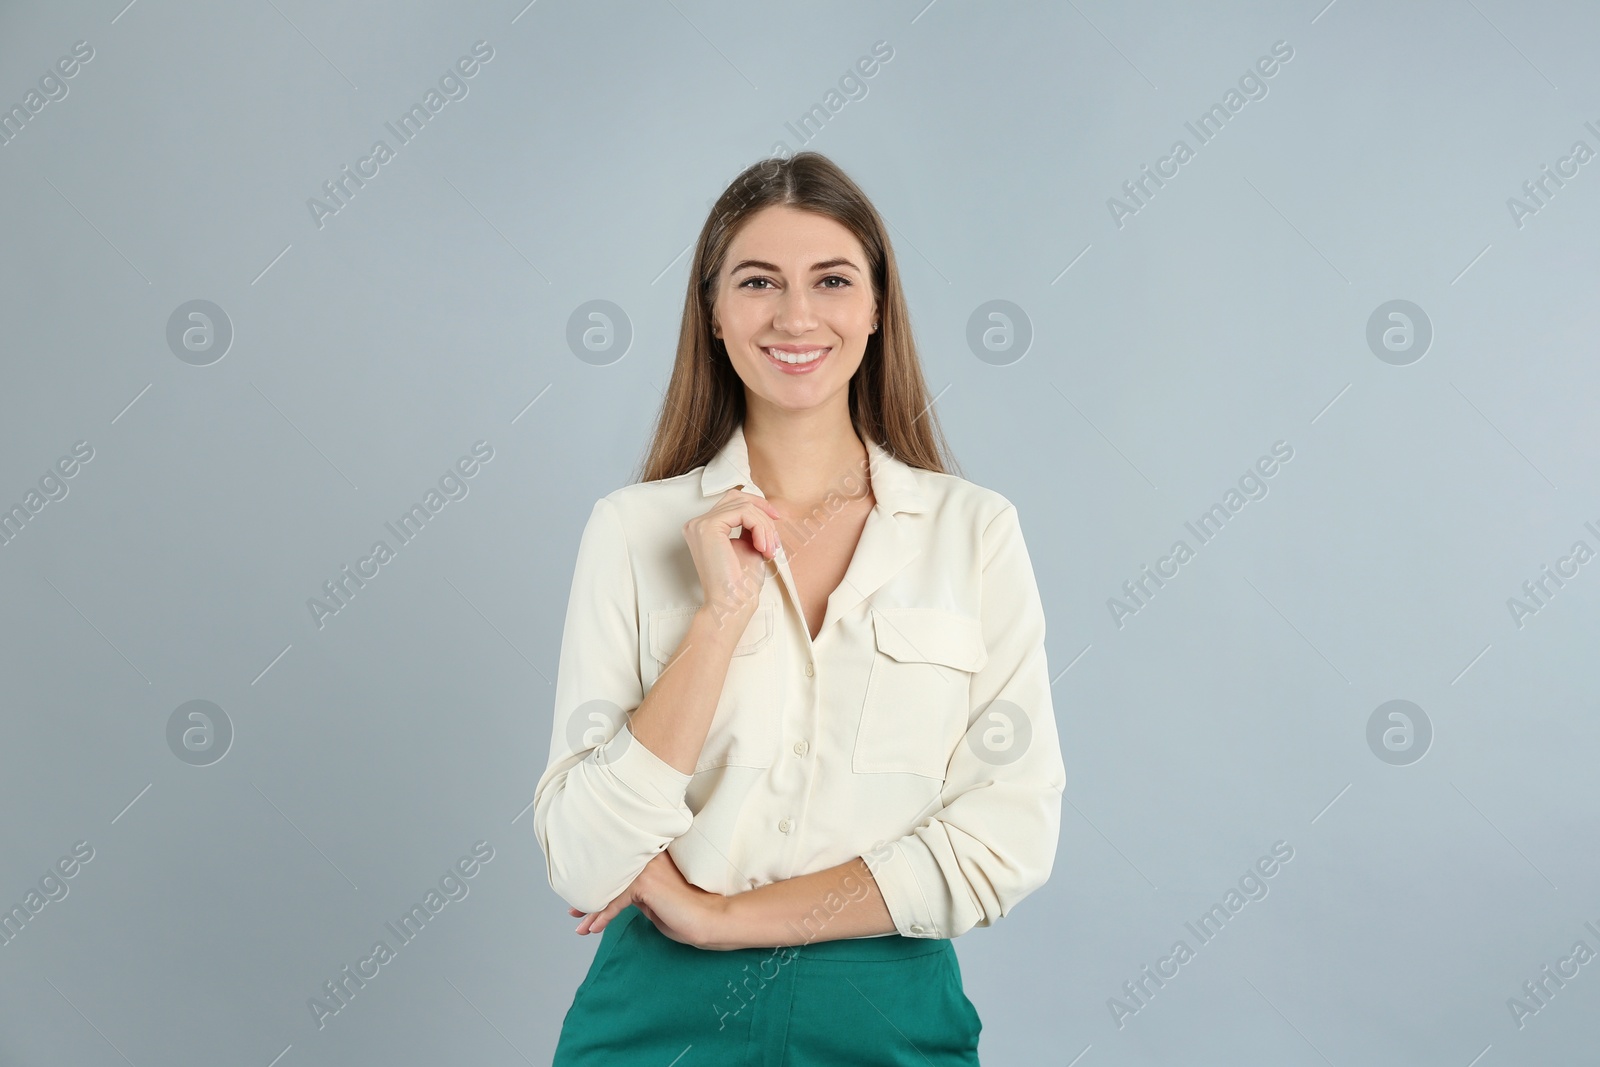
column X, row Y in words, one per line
column 735, row 600
column 719, row 929
column 717, row 621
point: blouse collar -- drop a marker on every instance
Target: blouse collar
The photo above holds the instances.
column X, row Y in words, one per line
column 895, row 484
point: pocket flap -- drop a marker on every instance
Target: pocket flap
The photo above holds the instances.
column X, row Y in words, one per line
column 930, row 635
column 668, row 626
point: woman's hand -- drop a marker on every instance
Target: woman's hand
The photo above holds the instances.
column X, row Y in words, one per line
column 685, row 913
column 732, row 569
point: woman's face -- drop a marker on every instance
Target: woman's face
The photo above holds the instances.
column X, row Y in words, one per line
column 794, row 305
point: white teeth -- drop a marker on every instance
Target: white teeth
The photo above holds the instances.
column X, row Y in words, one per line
column 809, row 356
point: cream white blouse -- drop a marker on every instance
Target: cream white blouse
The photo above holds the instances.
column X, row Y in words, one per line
column 916, row 731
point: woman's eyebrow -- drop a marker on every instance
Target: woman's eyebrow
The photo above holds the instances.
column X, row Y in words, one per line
column 761, row 264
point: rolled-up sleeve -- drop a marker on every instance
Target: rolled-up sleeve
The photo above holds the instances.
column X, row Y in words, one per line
column 605, row 804
column 994, row 840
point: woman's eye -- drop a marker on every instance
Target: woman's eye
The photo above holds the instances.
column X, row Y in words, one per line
column 750, row 283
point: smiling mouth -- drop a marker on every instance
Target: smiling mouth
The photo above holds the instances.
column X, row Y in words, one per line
column 797, row 359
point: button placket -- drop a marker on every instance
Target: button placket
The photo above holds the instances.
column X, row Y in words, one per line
column 780, row 565
column 780, row 562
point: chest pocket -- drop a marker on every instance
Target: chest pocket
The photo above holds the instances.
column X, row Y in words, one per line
column 915, row 710
column 744, row 730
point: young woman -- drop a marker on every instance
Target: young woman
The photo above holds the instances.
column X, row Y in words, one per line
column 803, row 730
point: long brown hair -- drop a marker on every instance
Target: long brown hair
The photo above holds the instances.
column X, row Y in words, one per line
column 704, row 402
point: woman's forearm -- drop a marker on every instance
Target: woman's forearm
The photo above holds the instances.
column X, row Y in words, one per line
column 839, row 902
column 676, row 714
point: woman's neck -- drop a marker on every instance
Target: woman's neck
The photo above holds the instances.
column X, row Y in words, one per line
column 802, row 458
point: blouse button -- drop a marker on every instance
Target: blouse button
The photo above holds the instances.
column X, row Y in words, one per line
column 916, row 928
column 810, row 670
column 783, row 826
column 800, row 748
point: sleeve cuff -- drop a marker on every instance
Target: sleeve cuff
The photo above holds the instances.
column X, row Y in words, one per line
column 896, row 875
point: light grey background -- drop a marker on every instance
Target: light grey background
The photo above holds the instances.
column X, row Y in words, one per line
column 1167, row 355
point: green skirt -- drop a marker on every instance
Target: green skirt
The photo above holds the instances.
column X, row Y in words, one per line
column 879, row 1001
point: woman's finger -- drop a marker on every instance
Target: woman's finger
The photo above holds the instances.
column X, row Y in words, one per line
column 756, row 514
column 725, row 568
column 764, row 530
column 759, row 501
column 598, row 921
